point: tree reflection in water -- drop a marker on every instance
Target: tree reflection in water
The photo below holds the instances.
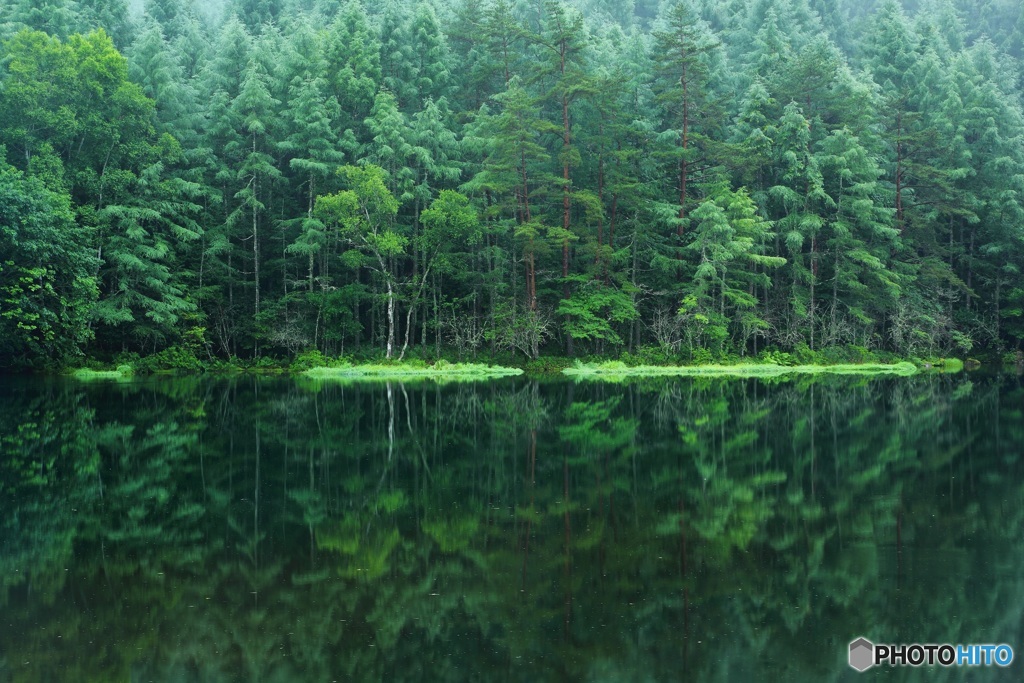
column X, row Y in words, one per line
column 272, row 530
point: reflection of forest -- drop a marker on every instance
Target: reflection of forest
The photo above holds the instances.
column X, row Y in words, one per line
column 266, row 530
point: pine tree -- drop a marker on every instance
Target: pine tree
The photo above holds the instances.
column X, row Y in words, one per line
column 797, row 199
column 397, row 57
column 220, row 84
column 57, row 18
column 153, row 66
column 313, row 145
column 561, row 44
column 353, row 72
column 512, row 171
column 391, row 145
column 728, row 241
column 432, row 57
column 142, row 281
column 256, row 109
column 170, row 15
column 992, row 124
column 255, row 14
column 682, row 48
column 858, row 240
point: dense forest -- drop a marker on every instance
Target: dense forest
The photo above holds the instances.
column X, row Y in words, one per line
column 689, row 180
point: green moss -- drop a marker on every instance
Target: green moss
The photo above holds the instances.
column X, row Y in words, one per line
column 614, row 370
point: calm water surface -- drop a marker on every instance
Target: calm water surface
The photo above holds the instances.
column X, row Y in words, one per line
column 672, row 530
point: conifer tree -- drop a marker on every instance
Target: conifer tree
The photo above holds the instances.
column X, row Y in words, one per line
column 391, row 145
column 142, row 284
column 432, row 57
column 315, row 153
column 397, row 57
column 561, row 44
column 512, row 171
column 682, row 46
column 353, row 72
column 255, row 108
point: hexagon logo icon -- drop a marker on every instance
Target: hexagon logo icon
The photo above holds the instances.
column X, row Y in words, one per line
column 862, row 654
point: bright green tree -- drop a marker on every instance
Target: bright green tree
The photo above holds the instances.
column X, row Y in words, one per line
column 364, row 216
column 47, row 275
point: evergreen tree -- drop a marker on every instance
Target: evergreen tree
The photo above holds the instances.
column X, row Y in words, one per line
column 152, row 64
column 430, row 50
column 57, row 18
column 397, row 56
column 562, row 43
column 142, row 288
column 391, row 145
column 858, row 240
column 255, row 14
column 170, row 15
column 636, row 174
column 255, row 108
column 681, row 48
column 313, row 145
column 353, row 59
column 728, row 241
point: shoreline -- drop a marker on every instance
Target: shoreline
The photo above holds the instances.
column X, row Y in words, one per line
column 443, row 370
column 617, row 370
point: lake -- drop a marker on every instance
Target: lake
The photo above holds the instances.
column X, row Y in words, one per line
column 277, row 529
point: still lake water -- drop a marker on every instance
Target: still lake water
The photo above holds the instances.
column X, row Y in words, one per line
column 264, row 529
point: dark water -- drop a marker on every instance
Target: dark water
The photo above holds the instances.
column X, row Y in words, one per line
column 679, row 530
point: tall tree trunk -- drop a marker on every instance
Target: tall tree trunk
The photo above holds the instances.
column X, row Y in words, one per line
column 899, row 171
column 600, row 197
column 814, row 277
column 684, row 142
column 309, row 215
column 391, row 319
column 566, row 184
column 255, row 235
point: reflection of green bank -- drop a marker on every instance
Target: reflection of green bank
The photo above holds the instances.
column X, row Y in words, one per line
column 614, row 370
column 440, row 371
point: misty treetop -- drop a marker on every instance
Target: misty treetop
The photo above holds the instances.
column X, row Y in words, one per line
column 690, row 179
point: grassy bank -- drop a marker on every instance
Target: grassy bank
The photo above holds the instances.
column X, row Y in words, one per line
column 440, row 370
column 615, row 369
column 88, row 375
column 646, row 362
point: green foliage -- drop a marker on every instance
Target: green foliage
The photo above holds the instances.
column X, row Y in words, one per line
column 593, row 309
column 648, row 355
column 47, row 284
column 308, row 360
column 171, row 359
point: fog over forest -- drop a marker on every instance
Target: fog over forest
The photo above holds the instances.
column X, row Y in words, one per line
column 685, row 181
